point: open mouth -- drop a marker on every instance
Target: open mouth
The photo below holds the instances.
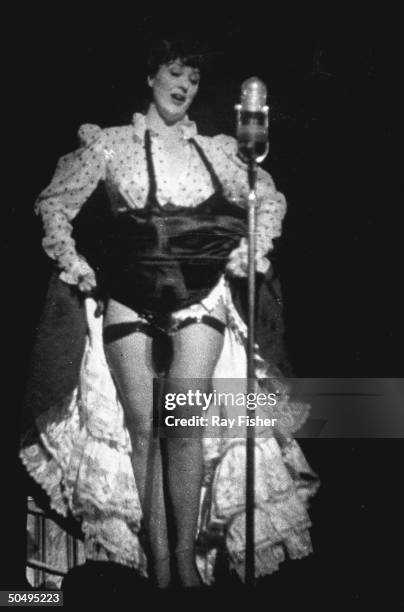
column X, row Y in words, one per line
column 178, row 98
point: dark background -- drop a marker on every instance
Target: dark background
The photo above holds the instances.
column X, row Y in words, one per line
column 332, row 94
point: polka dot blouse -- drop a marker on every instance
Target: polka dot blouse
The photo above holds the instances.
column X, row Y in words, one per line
column 116, row 156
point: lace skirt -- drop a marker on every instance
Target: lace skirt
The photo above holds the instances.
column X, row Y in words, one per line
column 79, row 451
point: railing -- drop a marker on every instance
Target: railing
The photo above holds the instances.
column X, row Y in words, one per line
column 38, row 561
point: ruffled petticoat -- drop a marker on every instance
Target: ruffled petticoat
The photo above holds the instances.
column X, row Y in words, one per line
column 80, row 453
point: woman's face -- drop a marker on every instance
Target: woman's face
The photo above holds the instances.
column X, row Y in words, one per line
column 174, row 87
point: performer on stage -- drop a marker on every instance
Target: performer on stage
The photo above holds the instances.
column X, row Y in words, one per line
column 158, row 299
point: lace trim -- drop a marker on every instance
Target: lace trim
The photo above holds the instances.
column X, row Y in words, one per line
column 207, row 305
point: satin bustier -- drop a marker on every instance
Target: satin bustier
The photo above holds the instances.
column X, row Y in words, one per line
column 159, row 259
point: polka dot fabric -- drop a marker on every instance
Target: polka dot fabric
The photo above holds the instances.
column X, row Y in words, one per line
column 117, row 156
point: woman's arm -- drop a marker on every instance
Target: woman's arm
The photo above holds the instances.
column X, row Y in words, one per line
column 271, row 204
column 77, row 175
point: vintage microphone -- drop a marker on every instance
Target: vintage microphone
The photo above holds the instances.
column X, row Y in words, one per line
column 252, row 137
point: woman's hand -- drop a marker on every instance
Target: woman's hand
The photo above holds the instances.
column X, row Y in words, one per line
column 100, row 308
column 87, row 285
column 237, row 264
column 87, row 282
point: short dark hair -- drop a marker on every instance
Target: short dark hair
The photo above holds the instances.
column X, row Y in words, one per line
column 167, row 51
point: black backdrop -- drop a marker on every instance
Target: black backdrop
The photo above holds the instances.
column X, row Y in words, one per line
column 331, row 97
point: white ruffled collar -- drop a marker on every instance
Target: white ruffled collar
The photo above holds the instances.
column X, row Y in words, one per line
column 188, row 127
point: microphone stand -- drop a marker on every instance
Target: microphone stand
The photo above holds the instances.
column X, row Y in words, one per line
column 252, row 132
column 250, row 438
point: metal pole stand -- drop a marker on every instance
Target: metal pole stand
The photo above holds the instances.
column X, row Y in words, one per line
column 253, row 147
column 250, row 439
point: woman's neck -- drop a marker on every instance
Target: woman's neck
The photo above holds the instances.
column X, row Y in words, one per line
column 155, row 122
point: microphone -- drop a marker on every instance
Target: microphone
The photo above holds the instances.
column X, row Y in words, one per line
column 252, row 121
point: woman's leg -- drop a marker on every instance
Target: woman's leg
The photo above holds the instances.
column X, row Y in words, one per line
column 131, row 364
column 196, row 349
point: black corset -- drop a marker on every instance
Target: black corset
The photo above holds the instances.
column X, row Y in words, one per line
column 159, row 259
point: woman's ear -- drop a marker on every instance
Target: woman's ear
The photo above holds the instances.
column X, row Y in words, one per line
column 150, row 81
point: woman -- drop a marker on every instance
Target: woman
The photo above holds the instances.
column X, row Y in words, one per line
column 176, row 237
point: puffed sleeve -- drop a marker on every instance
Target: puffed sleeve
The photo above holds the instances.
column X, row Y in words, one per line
column 271, row 204
column 77, row 175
